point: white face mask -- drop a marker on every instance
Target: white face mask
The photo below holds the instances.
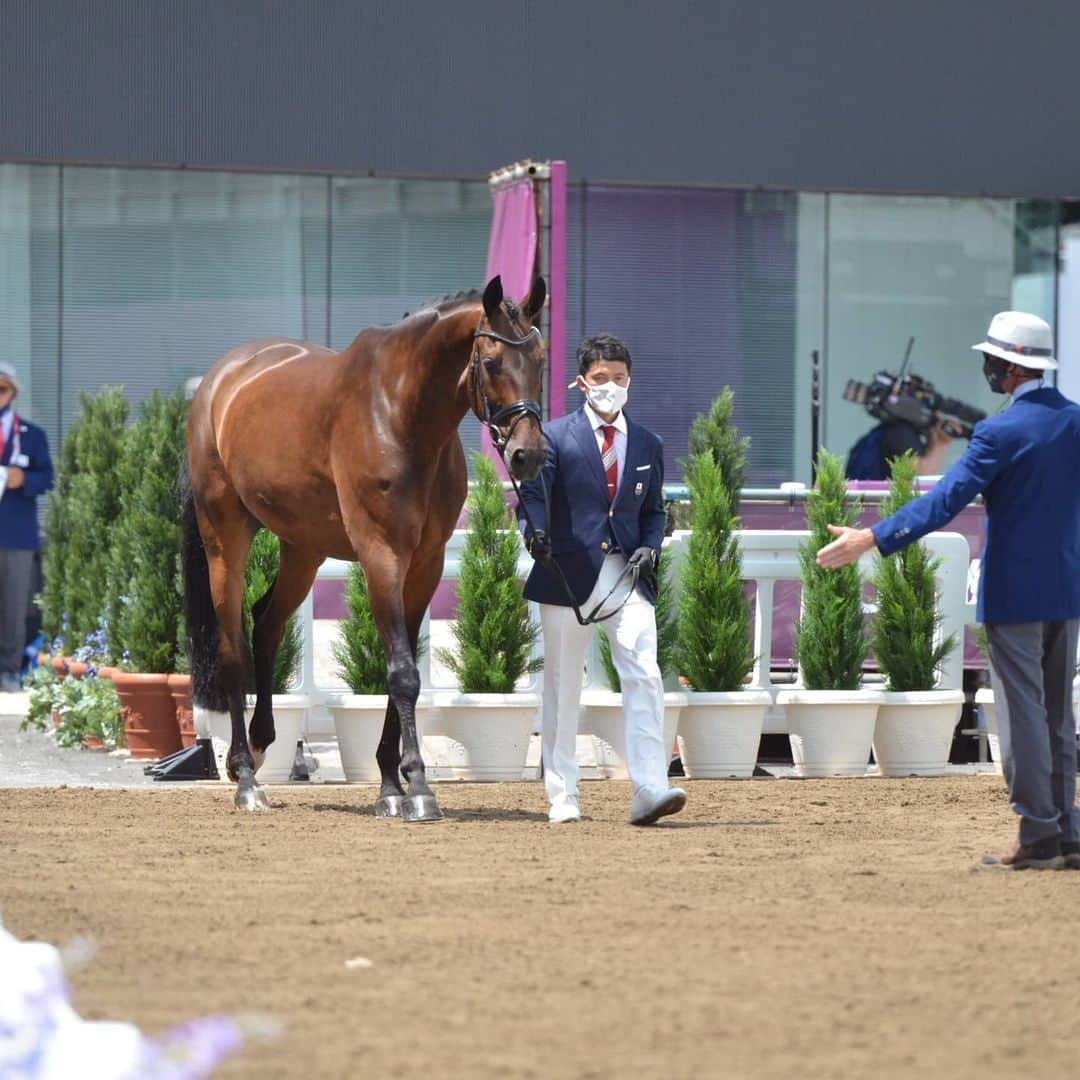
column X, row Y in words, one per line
column 606, row 398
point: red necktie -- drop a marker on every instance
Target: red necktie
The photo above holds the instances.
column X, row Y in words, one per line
column 610, row 459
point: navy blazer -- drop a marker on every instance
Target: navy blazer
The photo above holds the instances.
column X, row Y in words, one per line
column 1026, row 463
column 18, row 507
column 584, row 525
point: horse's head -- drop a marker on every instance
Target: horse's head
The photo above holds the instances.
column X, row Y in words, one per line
column 507, row 363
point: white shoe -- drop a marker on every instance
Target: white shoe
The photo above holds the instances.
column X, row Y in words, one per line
column 564, row 811
column 648, row 807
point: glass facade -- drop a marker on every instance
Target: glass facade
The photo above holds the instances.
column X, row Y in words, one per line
column 142, row 277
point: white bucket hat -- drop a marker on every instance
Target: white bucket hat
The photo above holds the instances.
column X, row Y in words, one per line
column 7, row 371
column 1021, row 339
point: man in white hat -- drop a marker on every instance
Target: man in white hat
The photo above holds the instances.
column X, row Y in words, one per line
column 25, row 473
column 1024, row 461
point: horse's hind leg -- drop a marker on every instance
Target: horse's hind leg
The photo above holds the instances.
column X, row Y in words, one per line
column 227, row 531
column 296, row 573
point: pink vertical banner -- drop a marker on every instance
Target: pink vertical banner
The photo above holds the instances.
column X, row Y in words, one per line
column 557, row 290
column 512, row 244
column 511, row 254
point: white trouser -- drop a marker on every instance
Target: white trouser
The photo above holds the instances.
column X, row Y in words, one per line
column 632, row 634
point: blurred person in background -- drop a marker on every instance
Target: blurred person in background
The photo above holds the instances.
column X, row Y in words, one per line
column 25, row 473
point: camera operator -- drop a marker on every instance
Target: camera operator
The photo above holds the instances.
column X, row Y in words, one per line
column 870, row 456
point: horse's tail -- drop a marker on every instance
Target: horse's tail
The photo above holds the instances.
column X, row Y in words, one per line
column 201, row 619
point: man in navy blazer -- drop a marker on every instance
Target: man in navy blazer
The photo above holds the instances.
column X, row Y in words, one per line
column 1025, row 462
column 604, row 478
column 25, row 472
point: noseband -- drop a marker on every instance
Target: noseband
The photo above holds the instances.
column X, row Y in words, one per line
column 517, row 410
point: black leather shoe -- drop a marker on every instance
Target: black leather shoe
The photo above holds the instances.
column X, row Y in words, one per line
column 1071, row 854
column 1042, row 855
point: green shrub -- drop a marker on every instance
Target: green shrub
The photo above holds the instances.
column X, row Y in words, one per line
column 716, row 435
column 80, row 515
column 145, row 609
column 713, row 650
column 908, row 619
column 493, row 631
column 830, row 642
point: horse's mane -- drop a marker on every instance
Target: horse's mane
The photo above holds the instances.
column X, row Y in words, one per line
column 458, row 299
column 447, row 300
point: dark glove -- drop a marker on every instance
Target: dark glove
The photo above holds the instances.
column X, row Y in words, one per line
column 644, row 558
column 538, row 545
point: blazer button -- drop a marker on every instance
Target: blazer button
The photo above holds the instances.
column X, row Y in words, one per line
column 603, row 545
column 611, row 512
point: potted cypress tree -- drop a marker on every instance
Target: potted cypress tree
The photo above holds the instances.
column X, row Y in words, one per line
column 359, row 715
column 489, row 722
column 145, row 606
column 915, row 722
column 720, row 727
column 80, row 514
column 830, row 720
column 602, row 710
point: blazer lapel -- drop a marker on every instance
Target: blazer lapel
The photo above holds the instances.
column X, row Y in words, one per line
column 586, row 440
column 633, row 460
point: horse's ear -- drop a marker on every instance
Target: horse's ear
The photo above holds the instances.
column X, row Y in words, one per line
column 493, row 296
column 531, row 306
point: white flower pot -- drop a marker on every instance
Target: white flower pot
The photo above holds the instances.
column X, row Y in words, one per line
column 602, row 717
column 289, row 713
column 830, row 730
column 985, row 700
column 358, row 723
column 487, row 734
column 914, row 731
column 719, row 733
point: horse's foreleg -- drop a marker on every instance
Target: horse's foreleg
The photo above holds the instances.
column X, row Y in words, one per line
column 398, row 629
column 296, row 572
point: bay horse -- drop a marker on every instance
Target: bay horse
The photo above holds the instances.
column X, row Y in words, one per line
column 352, row 455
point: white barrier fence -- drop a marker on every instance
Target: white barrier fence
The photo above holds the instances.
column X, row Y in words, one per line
column 768, row 557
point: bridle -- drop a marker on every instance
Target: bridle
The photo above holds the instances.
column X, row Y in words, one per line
column 516, row 411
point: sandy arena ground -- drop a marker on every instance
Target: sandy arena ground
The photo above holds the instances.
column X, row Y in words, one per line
column 777, row 928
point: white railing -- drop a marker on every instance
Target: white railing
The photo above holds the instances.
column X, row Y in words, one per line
column 768, row 557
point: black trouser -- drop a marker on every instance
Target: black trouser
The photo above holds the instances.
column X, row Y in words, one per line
column 16, row 585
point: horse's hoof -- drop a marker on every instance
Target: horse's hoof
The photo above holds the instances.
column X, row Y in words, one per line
column 388, row 806
column 251, row 798
column 420, row 808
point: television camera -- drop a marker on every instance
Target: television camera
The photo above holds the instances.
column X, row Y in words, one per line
column 913, row 399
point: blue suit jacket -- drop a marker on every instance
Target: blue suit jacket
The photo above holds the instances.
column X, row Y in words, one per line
column 1026, row 463
column 583, row 523
column 18, row 507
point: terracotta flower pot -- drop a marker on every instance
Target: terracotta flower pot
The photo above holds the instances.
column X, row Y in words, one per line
column 180, row 689
column 64, row 665
column 150, row 726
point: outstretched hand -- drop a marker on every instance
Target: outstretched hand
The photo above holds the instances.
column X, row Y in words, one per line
column 846, row 548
